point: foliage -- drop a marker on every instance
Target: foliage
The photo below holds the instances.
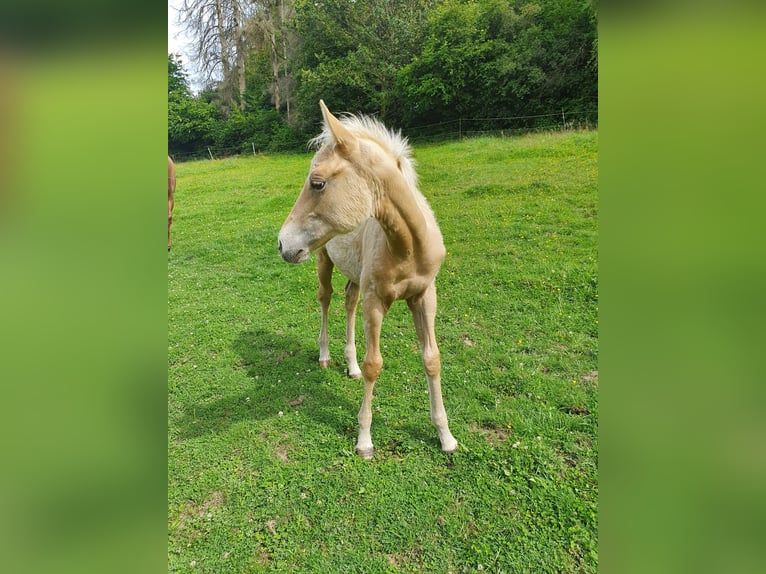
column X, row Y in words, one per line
column 513, row 59
column 351, row 54
column 261, row 471
column 242, row 129
column 412, row 63
column 191, row 120
column 178, row 79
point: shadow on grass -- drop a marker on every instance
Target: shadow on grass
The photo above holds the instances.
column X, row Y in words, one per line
column 284, row 376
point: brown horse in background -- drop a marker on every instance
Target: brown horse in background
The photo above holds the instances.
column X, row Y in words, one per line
column 171, row 191
column 360, row 210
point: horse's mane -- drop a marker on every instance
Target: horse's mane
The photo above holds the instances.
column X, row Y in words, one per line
column 393, row 142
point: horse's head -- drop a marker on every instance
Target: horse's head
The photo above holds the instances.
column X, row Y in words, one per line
column 335, row 198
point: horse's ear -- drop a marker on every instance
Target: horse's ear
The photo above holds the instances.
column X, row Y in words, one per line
column 345, row 142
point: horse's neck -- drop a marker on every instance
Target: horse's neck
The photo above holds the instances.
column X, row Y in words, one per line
column 409, row 230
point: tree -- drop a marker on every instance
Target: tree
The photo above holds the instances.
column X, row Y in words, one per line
column 220, row 45
column 272, row 36
column 411, row 62
column 502, row 58
column 350, row 53
column 191, row 120
column 178, row 80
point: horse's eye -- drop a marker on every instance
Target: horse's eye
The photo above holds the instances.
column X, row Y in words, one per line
column 318, row 184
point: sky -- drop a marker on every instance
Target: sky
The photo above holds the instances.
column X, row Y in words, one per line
column 176, row 39
column 178, row 43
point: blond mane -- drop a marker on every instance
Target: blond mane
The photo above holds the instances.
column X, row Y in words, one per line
column 392, row 142
column 369, row 128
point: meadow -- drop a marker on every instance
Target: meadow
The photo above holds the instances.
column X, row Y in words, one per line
column 262, row 474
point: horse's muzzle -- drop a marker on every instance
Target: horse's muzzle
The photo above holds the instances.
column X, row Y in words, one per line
column 293, row 255
column 296, row 255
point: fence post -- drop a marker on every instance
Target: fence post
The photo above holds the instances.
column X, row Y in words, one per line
column 253, row 148
column 563, row 120
column 210, row 152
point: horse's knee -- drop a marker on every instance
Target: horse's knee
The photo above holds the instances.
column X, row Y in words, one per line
column 432, row 363
column 371, row 368
column 324, row 295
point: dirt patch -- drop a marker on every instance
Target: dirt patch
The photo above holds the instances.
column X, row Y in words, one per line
column 281, row 451
column 296, row 402
column 281, row 356
column 591, row 377
column 494, row 434
column 213, row 501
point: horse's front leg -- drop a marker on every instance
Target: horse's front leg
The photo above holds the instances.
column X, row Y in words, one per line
column 423, row 310
column 374, row 311
column 324, row 295
column 352, row 298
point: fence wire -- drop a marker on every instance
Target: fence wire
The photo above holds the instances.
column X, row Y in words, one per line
column 440, row 131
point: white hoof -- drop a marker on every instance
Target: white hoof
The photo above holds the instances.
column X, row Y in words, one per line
column 449, row 447
column 365, row 453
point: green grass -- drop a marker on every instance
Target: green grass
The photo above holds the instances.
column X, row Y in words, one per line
column 258, row 485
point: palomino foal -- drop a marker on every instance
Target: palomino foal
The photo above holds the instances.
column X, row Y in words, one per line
column 360, row 210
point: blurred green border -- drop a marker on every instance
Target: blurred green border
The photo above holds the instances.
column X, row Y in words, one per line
column 83, row 299
column 681, row 281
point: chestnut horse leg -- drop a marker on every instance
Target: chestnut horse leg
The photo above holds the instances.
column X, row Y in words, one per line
column 171, row 192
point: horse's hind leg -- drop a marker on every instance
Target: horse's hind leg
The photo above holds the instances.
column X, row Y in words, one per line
column 423, row 310
column 324, row 272
column 352, row 298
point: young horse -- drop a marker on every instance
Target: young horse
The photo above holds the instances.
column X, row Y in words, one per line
column 360, row 210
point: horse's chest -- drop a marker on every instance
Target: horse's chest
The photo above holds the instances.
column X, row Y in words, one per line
column 345, row 252
column 363, row 257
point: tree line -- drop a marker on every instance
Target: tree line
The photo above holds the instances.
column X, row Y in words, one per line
column 412, row 63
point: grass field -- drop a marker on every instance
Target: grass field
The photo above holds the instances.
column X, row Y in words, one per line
column 262, row 475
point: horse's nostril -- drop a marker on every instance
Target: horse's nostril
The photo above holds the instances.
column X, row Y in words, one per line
column 279, row 245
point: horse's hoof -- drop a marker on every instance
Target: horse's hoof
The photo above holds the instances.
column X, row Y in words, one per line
column 355, row 375
column 324, row 364
column 449, row 449
column 365, row 453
